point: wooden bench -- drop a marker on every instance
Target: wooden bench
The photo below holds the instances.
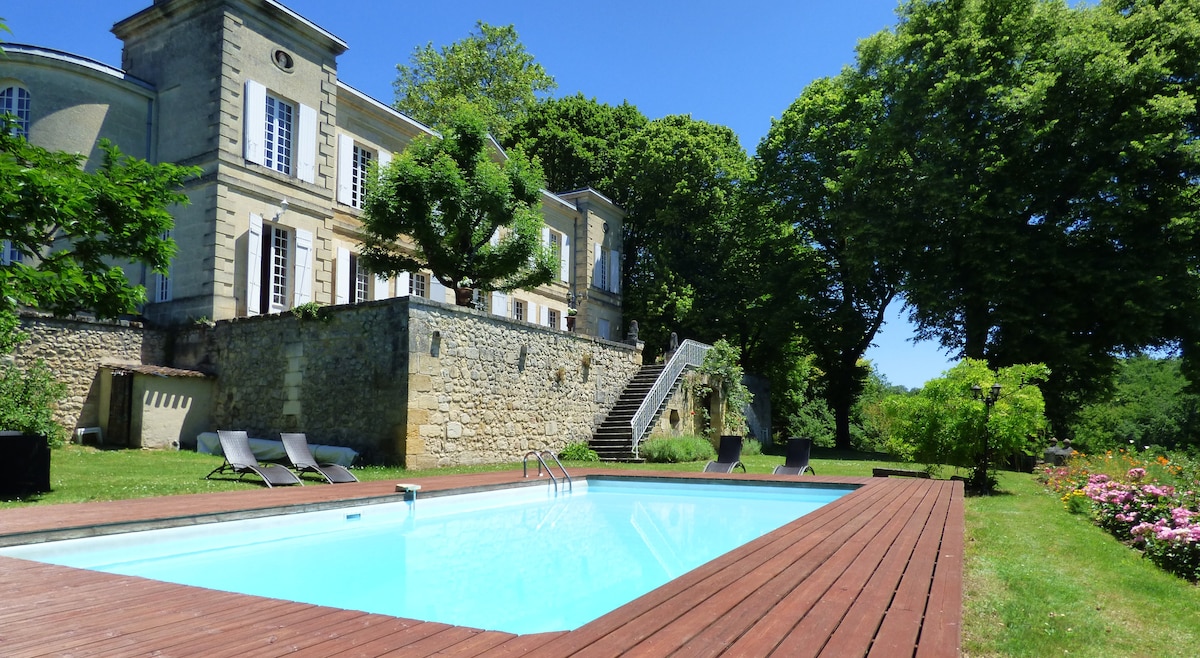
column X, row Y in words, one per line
column 898, row 472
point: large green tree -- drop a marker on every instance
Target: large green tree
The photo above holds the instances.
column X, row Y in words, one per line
column 821, row 177
column 73, row 228
column 577, row 140
column 1051, row 200
column 490, row 69
column 694, row 258
column 476, row 222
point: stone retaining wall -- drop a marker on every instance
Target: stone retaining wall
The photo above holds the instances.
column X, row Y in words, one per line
column 73, row 348
column 409, row 380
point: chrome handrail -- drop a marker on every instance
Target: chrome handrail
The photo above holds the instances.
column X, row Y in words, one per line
column 689, row 354
column 542, row 464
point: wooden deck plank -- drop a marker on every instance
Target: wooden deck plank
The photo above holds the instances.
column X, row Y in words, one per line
column 941, row 632
column 626, row 627
column 771, row 631
column 877, row 589
column 706, row 629
column 828, row 569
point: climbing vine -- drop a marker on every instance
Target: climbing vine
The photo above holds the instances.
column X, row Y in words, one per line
column 722, row 374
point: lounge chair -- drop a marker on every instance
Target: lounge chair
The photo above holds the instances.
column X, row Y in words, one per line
column 729, row 455
column 303, row 461
column 796, row 461
column 240, row 459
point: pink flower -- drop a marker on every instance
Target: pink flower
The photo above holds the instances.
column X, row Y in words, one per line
column 1136, row 474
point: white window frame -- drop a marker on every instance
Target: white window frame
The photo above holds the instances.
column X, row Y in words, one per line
column 558, row 243
column 9, row 254
column 518, row 309
column 354, row 162
column 279, row 267
column 553, row 318
column 16, row 100
column 418, row 284
column 162, row 281
column 266, row 132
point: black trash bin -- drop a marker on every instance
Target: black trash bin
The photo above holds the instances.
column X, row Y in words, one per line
column 24, row 464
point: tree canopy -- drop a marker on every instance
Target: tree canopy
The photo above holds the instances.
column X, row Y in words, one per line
column 1050, row 205
column 476, row 223
column 577, row 140
column 490, row 69
column 72, row 228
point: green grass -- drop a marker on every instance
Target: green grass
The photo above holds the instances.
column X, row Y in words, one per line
column 1042, row 582
column 1038, row 581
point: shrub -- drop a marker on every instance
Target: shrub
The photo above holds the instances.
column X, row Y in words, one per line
column 28, row 399
column 673, row 450
column 579, row 452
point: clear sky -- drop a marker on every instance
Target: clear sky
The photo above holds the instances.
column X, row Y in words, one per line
column 737, row 64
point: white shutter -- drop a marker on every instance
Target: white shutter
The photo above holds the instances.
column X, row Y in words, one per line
column 544, row 319
column 495, row 239
column 604, row 329
column 546, row 236
column 381, row 287
column 306, row 145
column 500, row 304
column 254, row 264
column 254, row 123
column 385, row 158
column 565, row 266
column 562, row 321
column 597, row 264
column 614, row 272
column 437, row 291
column 403, row 283
column 304, row 268
column 345, row 169
column 341, row 293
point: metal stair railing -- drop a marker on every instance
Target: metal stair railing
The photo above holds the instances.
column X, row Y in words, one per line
column 689, row 354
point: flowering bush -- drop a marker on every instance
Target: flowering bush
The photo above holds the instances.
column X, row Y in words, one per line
column 1162, row 519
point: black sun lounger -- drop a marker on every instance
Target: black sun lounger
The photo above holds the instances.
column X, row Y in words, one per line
column 729, row 455
column 796, row 461
column 302, row 460
column 240, row 459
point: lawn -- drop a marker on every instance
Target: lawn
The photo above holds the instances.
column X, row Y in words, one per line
column 1038, row 581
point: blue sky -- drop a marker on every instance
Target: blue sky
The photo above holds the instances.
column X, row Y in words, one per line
column 736, row 64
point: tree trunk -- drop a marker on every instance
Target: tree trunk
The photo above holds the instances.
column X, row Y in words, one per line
column 841, row 421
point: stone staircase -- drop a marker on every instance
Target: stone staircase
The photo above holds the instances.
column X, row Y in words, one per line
column 613, row 439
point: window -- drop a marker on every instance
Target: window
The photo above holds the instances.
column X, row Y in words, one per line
column 9, row 253
column 552, row 319
column 354, row 163
column 279, row 267
column 418, row 285
column 278, row 151
column 559, row 245
column 606, row 269
column 279, row 134
column 15, row 101
column 518, row 310
column 162, row 282
column 353, row 282
column 362, row 281
column 275, row 242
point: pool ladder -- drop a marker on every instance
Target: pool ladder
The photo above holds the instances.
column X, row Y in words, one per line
column 542, row 464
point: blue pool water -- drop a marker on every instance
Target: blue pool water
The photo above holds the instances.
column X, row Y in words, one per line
column 520, row 560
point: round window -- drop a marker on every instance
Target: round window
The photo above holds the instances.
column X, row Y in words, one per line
column 283, row 60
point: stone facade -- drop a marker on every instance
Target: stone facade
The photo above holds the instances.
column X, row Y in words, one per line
column 274, row 221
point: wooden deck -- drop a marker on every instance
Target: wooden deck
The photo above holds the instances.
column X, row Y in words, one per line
column 876, row 573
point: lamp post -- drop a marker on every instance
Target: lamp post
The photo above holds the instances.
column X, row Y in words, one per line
column 980, row 478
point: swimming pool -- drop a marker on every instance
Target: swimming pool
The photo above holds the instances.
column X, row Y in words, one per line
column 520, row 560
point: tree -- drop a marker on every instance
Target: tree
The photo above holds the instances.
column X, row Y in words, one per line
column 452, row 199
column 1149, row 406
column 1050, row 203
column 821, row 176
column 947, row 423
column 70, row 226
column 577, row 140
column 490, row 69
column 693, row 258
